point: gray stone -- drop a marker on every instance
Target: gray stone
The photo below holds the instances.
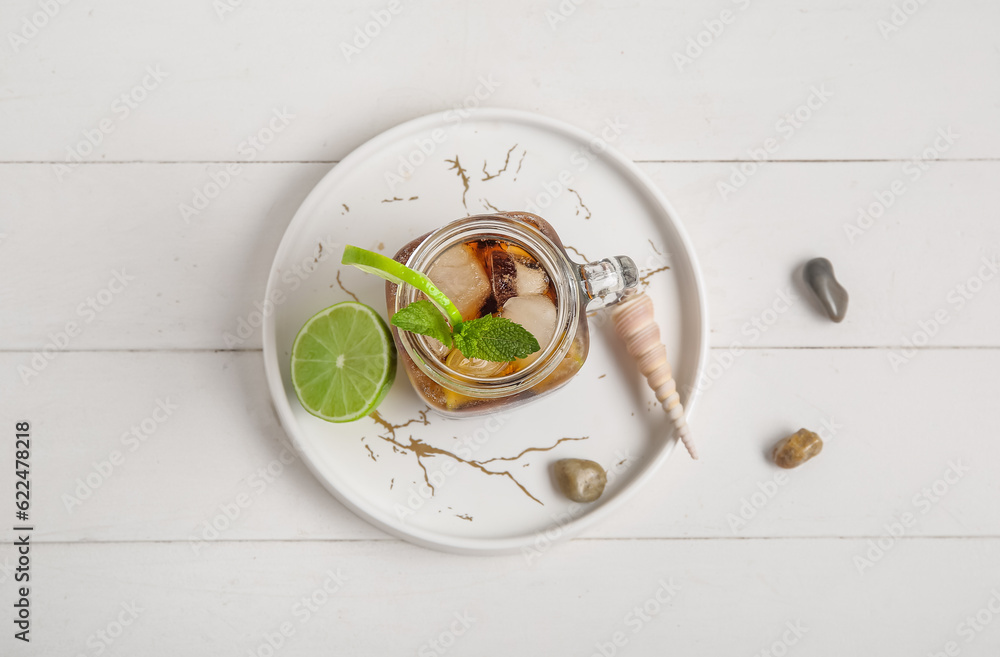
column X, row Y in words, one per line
column 820, row 279
column 580, row 480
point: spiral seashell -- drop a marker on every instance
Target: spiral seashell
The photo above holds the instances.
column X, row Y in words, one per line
column 635, row 325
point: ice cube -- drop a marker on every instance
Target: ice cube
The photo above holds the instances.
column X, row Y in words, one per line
column 514, row 273
column 461, row 276
column 537, row 314
column 530, row 277
column 474, row 366
column 503, row 275
column 434, row 346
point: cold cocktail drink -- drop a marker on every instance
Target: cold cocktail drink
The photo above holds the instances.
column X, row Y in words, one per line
column 512, row 265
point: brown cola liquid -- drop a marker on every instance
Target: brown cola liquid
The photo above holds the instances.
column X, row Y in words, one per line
column 491, row 253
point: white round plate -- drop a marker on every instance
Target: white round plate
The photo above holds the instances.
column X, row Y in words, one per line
column 484, row 485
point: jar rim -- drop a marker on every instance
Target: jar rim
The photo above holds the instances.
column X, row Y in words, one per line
column 559, row 269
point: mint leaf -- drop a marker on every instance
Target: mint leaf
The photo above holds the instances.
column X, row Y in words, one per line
column 424, row 318
column 495, row 339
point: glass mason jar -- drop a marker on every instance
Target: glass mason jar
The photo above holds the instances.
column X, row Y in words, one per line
column 457, row 387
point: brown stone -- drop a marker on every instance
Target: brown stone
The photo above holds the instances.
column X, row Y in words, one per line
column 796, row 449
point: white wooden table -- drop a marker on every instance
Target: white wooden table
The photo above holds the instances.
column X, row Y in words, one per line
column 146, row 427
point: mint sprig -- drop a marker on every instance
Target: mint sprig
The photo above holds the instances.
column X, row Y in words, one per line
column 424, row 318
column 496, row 339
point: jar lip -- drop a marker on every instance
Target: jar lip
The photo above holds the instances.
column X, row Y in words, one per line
column 556, row 264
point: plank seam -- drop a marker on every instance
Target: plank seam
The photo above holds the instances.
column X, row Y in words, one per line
column 989, row 537
column 704, row 161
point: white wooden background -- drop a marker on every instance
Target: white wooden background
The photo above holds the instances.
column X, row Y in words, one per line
column 670, row 574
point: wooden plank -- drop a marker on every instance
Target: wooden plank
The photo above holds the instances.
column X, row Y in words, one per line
column 189, row 281
column 222, row 76
column 195, row 281
column 915, row 245
column 653, row 597
column 897, row 442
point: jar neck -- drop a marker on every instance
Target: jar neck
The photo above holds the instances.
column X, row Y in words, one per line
column 561, row 271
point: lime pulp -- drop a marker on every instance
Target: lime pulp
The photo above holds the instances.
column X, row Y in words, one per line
column 343, row 362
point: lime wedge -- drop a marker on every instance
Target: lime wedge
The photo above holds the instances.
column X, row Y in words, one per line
column 343, row 362
column 398, row 273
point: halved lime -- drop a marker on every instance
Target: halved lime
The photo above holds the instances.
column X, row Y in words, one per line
column 395, row 272
column 343, row 362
